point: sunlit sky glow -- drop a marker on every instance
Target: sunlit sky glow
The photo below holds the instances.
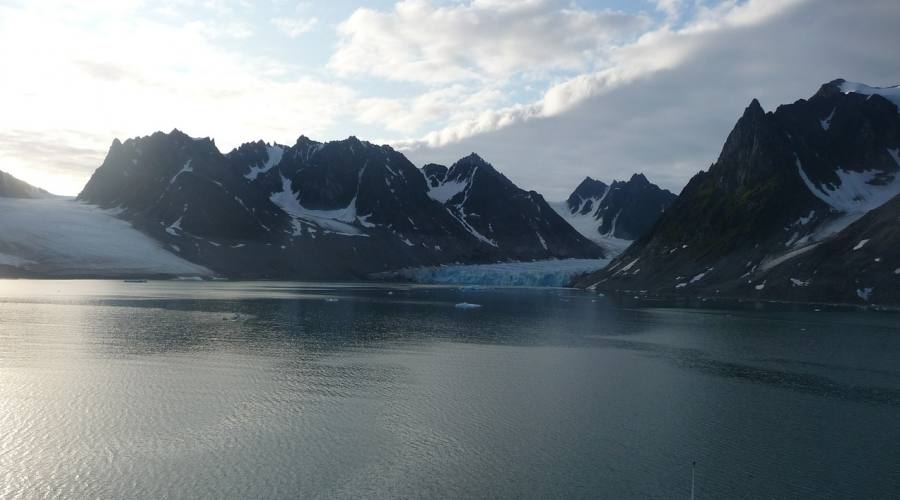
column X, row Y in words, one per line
column 549, row 91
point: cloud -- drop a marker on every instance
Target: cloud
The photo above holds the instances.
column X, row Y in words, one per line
column 455, row 102
column 221, row 29
column 126, row 75
column 666, row 103
column 421, row 41
column 294, row 27
column 66, row 157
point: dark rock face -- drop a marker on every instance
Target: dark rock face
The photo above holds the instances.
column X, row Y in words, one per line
column 582, row 200
column 11, row 187
column 501, row 215
column 861, row 264
column 623, row 210
column 337, row 210
column 785, row 183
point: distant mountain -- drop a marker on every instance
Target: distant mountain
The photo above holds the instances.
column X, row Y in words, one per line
column 11, row 187
column 498, row 213
column 335, row 210
column 783, row 195
column 616, row 214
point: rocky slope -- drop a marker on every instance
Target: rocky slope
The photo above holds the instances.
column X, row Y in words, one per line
column 11, row 187
column 782, row 196
column 335, row 210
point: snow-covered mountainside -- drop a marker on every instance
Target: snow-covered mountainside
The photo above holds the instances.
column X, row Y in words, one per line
column 10, row 187
column 545, row 273
column 614, row 215
column 58, row 237
column 335, row 210
column 786, row 184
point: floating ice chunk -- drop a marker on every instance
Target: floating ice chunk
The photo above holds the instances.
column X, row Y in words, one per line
column 467, row 305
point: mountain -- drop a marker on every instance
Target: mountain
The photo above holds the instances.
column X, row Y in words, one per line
column 859, row 264
column 498, row 213
column 787, row 186
column 335, row 210
column 10, row 187
column 614, row 215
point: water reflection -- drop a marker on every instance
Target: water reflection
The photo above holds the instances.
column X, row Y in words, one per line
column 236, row 390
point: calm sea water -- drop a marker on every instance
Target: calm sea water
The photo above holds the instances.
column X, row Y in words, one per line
column 280, row 390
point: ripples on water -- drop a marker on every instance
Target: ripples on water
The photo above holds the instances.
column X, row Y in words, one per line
column 275, row 390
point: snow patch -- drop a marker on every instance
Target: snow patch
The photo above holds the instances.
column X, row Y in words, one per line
column 700, row 276
column 273, row 158
column 629, row 265
column 175, row 227
column 826, row 123
column 337, row 221
column 446, row 191
column 861, row 244
column 185, row 169
column 541, row 238
column 890, row 93
column 854, row 193
column 895, row 154
column 864, row 293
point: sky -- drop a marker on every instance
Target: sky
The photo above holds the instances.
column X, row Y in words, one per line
column 548, row 91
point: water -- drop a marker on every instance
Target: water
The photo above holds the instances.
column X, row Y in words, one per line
column 275, row 390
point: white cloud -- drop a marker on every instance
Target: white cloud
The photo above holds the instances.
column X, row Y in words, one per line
column 666, row 103
column 124, row 76
column 294, row 27
column 422, row 41
column 671, row 8
column 653, row 52
column 227, row 29
column 455, row 103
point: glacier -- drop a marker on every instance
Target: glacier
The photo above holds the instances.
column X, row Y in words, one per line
column 60, row 237
column 542, row 273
